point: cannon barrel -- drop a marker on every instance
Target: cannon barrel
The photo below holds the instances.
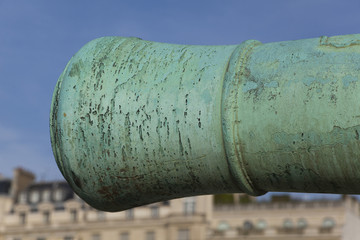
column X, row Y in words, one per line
column 134, row 122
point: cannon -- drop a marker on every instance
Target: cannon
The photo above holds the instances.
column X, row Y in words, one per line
column 134, row 122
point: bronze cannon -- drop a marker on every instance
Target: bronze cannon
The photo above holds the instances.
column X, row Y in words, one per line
column 134, row 122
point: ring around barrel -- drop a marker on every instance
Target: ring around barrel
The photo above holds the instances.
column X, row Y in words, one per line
column 134, row 122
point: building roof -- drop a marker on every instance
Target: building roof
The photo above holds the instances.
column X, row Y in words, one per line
column 5, row 185
column 56, row 191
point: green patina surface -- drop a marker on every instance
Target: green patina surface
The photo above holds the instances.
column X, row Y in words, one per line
column 134, row 122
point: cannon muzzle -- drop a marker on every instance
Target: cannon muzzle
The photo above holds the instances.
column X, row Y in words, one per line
column 135, row 122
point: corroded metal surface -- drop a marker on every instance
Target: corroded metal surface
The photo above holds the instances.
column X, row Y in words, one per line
column 134, row 122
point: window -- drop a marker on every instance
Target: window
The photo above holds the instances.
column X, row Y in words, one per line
column 22, row 198
column 248, row 226
column 124, row 236
column 223, row 226
column 301, row 223
column 328, row 223
column 261, row 224
column 58, row 195
column 150, row 235
column 101, row 216
column 183, row 234
column 46, row 217
column 129, row 214
column 288, row 224
column 73, row 215
column 46, row 196
column 154, row 211
column 34, row 197
column 22, row 218
column 95, row 237
column 189, row 205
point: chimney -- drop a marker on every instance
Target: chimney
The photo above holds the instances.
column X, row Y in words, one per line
column 21, row 180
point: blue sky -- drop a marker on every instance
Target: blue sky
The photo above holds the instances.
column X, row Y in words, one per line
column 38, row 38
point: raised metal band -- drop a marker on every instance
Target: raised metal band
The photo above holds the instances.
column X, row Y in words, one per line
column 230, row 115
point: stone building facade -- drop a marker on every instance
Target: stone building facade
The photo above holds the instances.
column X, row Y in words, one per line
column 51, row 211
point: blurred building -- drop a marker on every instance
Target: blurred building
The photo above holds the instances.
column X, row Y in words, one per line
column 50, row 210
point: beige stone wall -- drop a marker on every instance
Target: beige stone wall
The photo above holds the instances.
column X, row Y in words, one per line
column 90, row 223
column 351, row 229
column 172, row 220
column 275, row 213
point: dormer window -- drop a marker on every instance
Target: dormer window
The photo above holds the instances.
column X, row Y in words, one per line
column 58, row 195
column 22, row 198
column 46, row 196
column 34, row 197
